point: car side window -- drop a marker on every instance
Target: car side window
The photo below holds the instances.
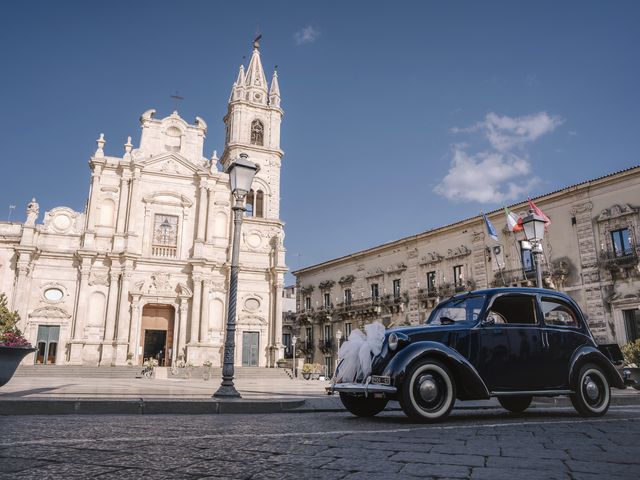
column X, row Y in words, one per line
column 558, row 314
column 513, row 309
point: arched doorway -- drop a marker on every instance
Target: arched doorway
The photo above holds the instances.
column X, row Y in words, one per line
column 156, row 333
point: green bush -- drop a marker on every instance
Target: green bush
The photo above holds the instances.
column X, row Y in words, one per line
column 631, row 352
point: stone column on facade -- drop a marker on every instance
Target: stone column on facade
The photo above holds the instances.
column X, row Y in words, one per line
column 183, row 313
column 195, row 309
column 413, row 287
column 134, row 329
column 80, row 314
column 91, row 213
column 110, row 324
column 210, row 216
column 594, row 299
column 20, row 300
column 277, row 321
column 123, row 318
column 478, row 259
column 133, row 199
column 204, row 322
column 122, row 206
column 202, row 211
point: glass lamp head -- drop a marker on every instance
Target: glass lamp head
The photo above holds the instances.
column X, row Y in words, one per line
column 533, row 227
column 241, row 173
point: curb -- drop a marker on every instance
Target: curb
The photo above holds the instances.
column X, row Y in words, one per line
column 144, row 407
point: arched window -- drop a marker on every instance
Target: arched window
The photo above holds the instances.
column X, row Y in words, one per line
column 259, row 204
column 257, row 133
column 250, row 204
column 173, row 139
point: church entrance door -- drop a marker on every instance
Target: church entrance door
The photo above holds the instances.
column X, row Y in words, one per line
column 250, row 349
column 156, row 340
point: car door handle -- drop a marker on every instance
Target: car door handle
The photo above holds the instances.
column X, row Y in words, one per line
column 545, row 340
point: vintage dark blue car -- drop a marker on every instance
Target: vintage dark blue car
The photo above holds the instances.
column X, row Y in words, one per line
column 509, row 343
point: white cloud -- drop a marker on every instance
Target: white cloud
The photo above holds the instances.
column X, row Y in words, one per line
column 498, row 174
column 486, row 177
column 308, row 34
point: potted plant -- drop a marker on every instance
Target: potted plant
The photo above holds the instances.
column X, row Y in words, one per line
column 631, row 352
column 13, row 346
column 307, row 370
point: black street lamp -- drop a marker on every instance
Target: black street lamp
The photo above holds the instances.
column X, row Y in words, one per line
column 241, row 173
column 534, row 232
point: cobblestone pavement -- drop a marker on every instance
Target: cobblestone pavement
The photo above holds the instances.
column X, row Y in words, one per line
column 542, row 443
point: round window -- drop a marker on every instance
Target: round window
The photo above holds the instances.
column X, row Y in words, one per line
column 53, row 294
column 252, row 304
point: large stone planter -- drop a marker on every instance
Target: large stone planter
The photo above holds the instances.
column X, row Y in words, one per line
column 10, row 358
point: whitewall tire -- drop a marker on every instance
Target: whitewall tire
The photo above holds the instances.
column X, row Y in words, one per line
column 428, row 392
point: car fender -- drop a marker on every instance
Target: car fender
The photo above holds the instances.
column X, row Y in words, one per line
column 469, row 384
column 591, row 354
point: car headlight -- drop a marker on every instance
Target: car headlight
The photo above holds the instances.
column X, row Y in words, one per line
column 393, row 341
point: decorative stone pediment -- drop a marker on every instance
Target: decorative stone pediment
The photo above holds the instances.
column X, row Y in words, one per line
column 252, row 320
column 168, row 198
column 430, row 257
column 307, row 290
column 378, row 272
column 160, row 284
column 400, row 267
column 50, row 311
column 460, row 251
column 99, row 278
column 63, row 220
column 346, row 280
column 326, row 285
column 617, row 211
column 170, row 164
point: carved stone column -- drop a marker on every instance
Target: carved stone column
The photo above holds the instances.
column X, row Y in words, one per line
column 77, row 344
column 277, row 321
column 122, row 206
column 590, row 272
column 21, row 290
column 183, row 313
column 202, row 211
column 91, row 206
column 134, row 330
column 110, row 324
column 210, row 217
column 204, row 322
column 134, row 200
column 123, row 310
column 195, row 308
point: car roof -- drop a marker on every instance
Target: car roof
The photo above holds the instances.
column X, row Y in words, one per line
column 529, row 290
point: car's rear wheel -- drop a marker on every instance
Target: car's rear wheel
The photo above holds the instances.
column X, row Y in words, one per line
column 592, row 395
column 428, row 391
column 363, row 406
column 516, row 404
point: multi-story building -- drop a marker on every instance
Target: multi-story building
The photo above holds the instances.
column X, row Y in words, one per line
column 143, row 271
column 590, row 250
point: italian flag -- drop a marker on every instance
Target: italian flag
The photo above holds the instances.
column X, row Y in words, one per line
column 514, row 222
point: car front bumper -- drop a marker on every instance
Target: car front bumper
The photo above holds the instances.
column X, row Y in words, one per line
column 365, row 389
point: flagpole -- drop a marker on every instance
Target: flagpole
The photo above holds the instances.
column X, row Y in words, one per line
column 494, row 235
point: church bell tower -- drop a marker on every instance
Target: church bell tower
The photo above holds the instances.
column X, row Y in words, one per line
column 253, row 127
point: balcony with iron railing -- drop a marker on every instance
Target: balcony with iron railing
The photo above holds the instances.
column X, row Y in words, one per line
column 326, row 345
column 619, row 259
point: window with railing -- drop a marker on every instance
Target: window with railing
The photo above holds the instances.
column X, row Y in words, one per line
column 375, row 291
column 458, row 279
column 347, row 330
column 621, row 241
column 347, row 296
column 307, row 303
column 431, row 281
column 165, row 236
column 396, row 288
column 527, row 258
column 327, row 300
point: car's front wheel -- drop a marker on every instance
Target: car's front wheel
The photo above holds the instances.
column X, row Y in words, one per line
column 592, row 394
column 363, row 406
column 516, row 404
column 428, row 391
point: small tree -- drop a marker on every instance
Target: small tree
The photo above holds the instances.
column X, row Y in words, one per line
column 10, row 334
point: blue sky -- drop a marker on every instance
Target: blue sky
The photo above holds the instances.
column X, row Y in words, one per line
column 399, row 116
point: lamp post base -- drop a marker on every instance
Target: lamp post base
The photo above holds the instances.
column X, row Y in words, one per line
column 227, row 391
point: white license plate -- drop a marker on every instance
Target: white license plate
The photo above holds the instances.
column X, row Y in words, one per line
column 378, row 380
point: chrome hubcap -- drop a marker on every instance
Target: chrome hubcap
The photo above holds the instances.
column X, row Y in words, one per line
column 591, row 389
column 428, row 388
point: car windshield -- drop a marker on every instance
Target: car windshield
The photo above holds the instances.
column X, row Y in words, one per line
column 456, row 310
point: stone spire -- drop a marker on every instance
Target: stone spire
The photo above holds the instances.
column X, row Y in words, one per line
column 100, row 150
column 274, row 92
column 255, row 80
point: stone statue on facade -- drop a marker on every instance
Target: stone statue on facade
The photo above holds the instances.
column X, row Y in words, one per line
column 33, row 210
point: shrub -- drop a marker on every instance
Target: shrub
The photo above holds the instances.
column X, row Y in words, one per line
column 631, row 352
column 10, row 335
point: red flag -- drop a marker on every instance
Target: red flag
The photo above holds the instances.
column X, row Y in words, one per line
column 537, row 211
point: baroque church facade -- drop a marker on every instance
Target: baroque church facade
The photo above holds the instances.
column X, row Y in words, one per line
column 143, row 272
